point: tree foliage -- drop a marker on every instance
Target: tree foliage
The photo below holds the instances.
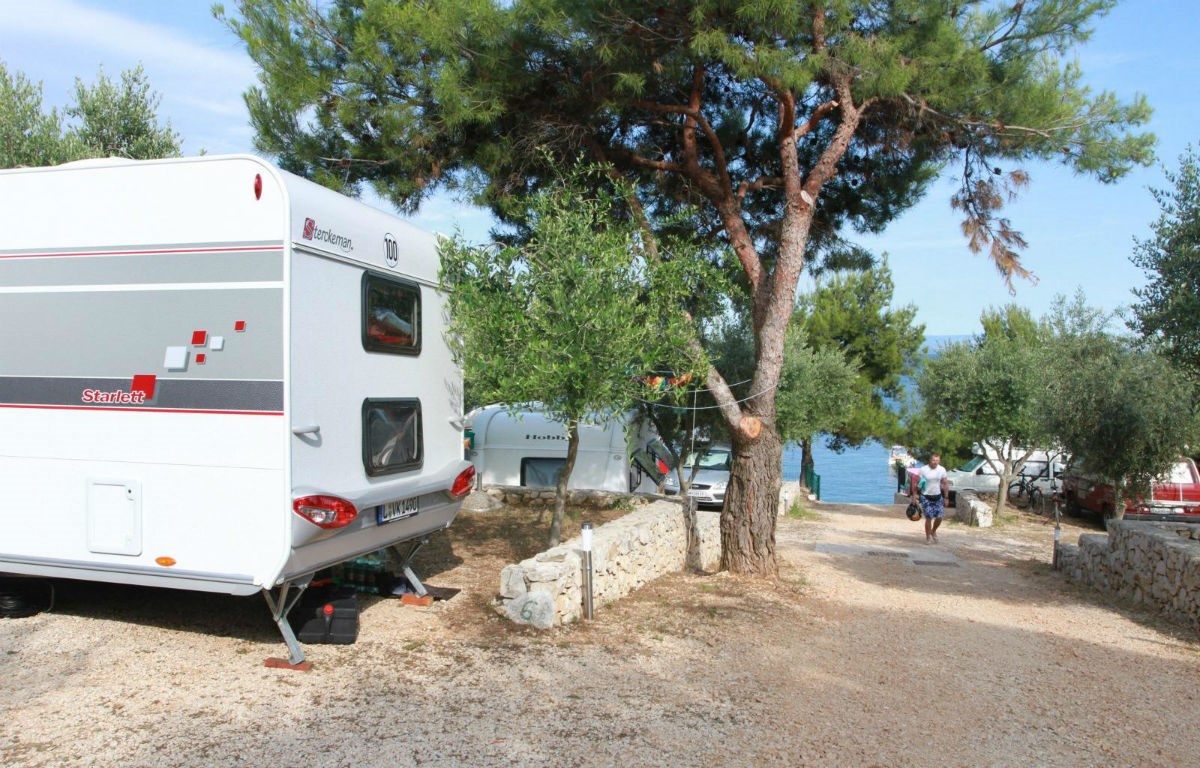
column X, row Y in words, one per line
column 780, row 123
column 104, row 120
column 813, row 388
column 994, row 388
column 29, row 135
column 112, row 120
column 572, row 320
column 1125, row 412
column 1168, row 313
column 852, row 312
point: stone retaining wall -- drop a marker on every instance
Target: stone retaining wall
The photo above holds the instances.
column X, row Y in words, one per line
column 657, row 538
column 525, row 496
column 1153, row 564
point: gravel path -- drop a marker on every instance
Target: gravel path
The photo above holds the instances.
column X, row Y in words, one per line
column 871, row 649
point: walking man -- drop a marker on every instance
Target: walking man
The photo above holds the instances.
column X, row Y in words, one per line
column 931, row 481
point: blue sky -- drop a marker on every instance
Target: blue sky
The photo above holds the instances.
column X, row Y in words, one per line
column 1080, row 232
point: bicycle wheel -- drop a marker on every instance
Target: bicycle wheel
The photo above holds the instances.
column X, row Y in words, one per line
column 1036, row 499
column 1018, row 494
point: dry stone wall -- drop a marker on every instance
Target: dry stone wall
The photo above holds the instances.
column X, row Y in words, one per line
column 655, row 539
column 1152, row 564
column 525, row 496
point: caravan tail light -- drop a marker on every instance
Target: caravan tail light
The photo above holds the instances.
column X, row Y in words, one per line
column 325, row 511
column 462, row 483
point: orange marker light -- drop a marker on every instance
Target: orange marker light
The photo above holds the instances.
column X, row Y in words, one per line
column 165, row 561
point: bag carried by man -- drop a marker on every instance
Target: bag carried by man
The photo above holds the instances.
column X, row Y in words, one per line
column 913, row 512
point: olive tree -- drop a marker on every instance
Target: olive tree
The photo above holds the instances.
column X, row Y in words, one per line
column 1122, row 409
column 105, row 119
column 572, row 319
column 994, row 388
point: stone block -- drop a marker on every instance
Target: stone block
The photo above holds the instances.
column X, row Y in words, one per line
column 970, row 510
column 512, row 581
column 534, row 608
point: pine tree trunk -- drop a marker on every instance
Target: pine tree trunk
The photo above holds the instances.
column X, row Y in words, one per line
column 751, row 505
column 564, row 477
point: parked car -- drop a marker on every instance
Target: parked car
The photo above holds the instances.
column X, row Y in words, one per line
column 712, row 475
column 1175, row 496
column 980, row 476
column 976, row 475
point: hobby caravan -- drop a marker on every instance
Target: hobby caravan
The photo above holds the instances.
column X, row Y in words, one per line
column 524, row 446
column 216, row 376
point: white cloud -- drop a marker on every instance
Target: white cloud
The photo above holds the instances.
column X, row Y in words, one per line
column 190, row 59
column 70, row 24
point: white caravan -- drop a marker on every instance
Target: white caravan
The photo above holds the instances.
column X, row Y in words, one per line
column 216, row 376
column 525, row 447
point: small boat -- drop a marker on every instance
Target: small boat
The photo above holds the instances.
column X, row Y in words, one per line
column 900, row 454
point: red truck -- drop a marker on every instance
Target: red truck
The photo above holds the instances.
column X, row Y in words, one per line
column 1174, row 497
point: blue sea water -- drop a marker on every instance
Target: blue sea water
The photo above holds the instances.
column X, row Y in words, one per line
column 857, row 475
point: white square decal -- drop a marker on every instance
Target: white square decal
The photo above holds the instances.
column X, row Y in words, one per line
column 176, row 359
column 216, row 343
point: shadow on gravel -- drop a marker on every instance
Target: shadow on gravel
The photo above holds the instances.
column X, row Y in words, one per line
column 181, row 610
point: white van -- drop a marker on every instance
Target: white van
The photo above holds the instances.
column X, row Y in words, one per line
column 216, row 376
column 523, row 446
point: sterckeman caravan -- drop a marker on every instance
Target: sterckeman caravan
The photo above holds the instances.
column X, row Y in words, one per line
column 216, row 376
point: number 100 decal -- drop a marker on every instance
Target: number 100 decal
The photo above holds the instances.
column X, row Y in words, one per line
column 391, row 251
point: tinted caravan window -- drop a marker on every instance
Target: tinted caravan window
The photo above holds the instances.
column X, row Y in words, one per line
column 391, row 315
column 541, row 473
column 391, row 435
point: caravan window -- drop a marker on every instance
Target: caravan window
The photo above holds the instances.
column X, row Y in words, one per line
column 391, row 436
column 541, row 472
column 391, row 315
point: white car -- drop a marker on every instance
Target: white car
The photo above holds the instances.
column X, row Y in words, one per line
column 979, row 476
column 712, row 476
column 976, row 475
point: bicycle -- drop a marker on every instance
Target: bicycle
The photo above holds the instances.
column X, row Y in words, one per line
column 1025, row 493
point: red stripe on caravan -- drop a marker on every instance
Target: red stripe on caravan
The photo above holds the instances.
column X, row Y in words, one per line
column 137, row 410
column 148, row 252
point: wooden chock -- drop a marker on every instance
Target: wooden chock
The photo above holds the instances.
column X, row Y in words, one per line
column 277, row 663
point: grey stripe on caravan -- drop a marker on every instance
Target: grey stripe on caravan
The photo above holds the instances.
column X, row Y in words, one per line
column 172, row 394
column 139, row 248
column 241, row 263
column 143, row 287
column 135, row 570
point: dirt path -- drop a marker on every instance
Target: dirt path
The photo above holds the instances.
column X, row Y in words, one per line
column 872, row 649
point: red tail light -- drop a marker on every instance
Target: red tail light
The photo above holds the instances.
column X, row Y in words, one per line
column 325, row 511
column 462, row 483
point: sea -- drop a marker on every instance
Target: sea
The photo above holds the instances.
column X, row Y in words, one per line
column 857, row 475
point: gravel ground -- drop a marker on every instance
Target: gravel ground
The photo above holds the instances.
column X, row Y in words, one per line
column 872, row 648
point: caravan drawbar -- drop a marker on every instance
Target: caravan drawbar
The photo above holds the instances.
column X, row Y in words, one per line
column 218, row 376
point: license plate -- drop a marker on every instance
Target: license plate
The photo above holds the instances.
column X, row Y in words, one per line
column 398, row 510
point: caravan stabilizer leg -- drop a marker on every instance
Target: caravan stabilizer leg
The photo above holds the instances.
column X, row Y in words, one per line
column 406, row 559
column 280, row 605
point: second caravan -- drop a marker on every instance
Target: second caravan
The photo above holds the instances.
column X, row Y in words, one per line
column 523, row 446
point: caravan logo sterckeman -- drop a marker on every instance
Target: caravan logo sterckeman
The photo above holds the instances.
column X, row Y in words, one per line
column 312, row 232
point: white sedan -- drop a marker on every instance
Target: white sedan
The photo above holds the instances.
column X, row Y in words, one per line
column 712, row 475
